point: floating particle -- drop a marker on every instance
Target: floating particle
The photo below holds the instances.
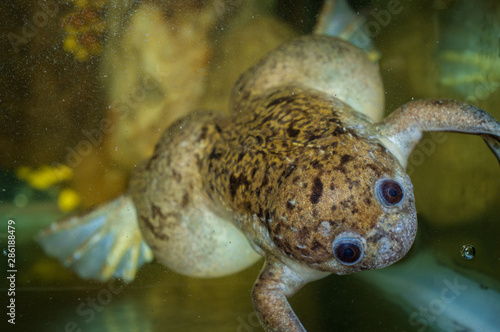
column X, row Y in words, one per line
column 468, row 251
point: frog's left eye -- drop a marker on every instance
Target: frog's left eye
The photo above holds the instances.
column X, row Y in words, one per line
column 348, row 251
column 389, row 192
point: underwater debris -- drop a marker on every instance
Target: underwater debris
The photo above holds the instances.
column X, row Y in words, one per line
column 44, row 177
column 85, row 28
column 47, row 176
column 68, row 200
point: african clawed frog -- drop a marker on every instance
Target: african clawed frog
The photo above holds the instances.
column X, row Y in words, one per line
column 299, row 173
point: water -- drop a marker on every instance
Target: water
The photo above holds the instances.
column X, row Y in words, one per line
column 59, row 103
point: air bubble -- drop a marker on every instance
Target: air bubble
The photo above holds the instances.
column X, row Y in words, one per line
column 468, row 251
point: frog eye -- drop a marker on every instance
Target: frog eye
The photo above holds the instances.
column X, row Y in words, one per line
column 348, row 251
column 389, row 192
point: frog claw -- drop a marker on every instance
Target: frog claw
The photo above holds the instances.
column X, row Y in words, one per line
column 494, row 144
column 101, row 244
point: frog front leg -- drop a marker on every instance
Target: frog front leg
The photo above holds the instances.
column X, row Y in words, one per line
column 402, row 130
column 276, row 282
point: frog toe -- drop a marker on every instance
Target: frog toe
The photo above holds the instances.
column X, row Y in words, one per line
column 493, row 143
column 102, row 244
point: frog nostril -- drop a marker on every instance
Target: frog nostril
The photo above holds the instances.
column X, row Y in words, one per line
column 348, row 251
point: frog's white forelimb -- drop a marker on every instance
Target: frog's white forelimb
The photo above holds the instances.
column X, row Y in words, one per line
column 101, row 244
column 402, row 130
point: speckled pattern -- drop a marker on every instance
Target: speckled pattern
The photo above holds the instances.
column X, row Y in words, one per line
column 298, row 163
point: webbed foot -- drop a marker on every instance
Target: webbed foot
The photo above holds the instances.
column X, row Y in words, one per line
column 101, row 244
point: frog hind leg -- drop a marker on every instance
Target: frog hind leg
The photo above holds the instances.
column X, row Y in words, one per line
column 188, row 232
column 101, row 244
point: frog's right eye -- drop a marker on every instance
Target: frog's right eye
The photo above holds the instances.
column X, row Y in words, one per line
column 389, row 192
column 348, row 251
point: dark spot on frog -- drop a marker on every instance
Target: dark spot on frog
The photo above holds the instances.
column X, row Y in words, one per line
column 265, row 181
column 312, row 137
column 332, row 187
column 214, row 154
column 267, row 119
column 203, row 134
column 260, row 140
column 254, row 170
column 367, row 201
column 283, row 245
column 185, row 200
column 382, row 149
column 290, row 206
column 295, row 179
column 267, row 219
column 177, row 176
column 199, row 163
column 345, row 159
column 345, row 203
column 286, row 173
column 291, row 131
column 155, row 230
column 219, row 130
column 316, row 164
column 303, row 234
column 278, row 101
column 248, row 206
column 240, row 156
column 316, row 245
column 334, row 207
column 338, row 131
column 377, row 236
column 236, row 182
column 260, row 214
column 375, row 169
column 317, row 191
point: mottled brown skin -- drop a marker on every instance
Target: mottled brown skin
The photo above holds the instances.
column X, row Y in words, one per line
column 295, row 170
column 299, row 164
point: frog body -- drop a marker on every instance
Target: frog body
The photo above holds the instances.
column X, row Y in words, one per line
column 303, row 173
